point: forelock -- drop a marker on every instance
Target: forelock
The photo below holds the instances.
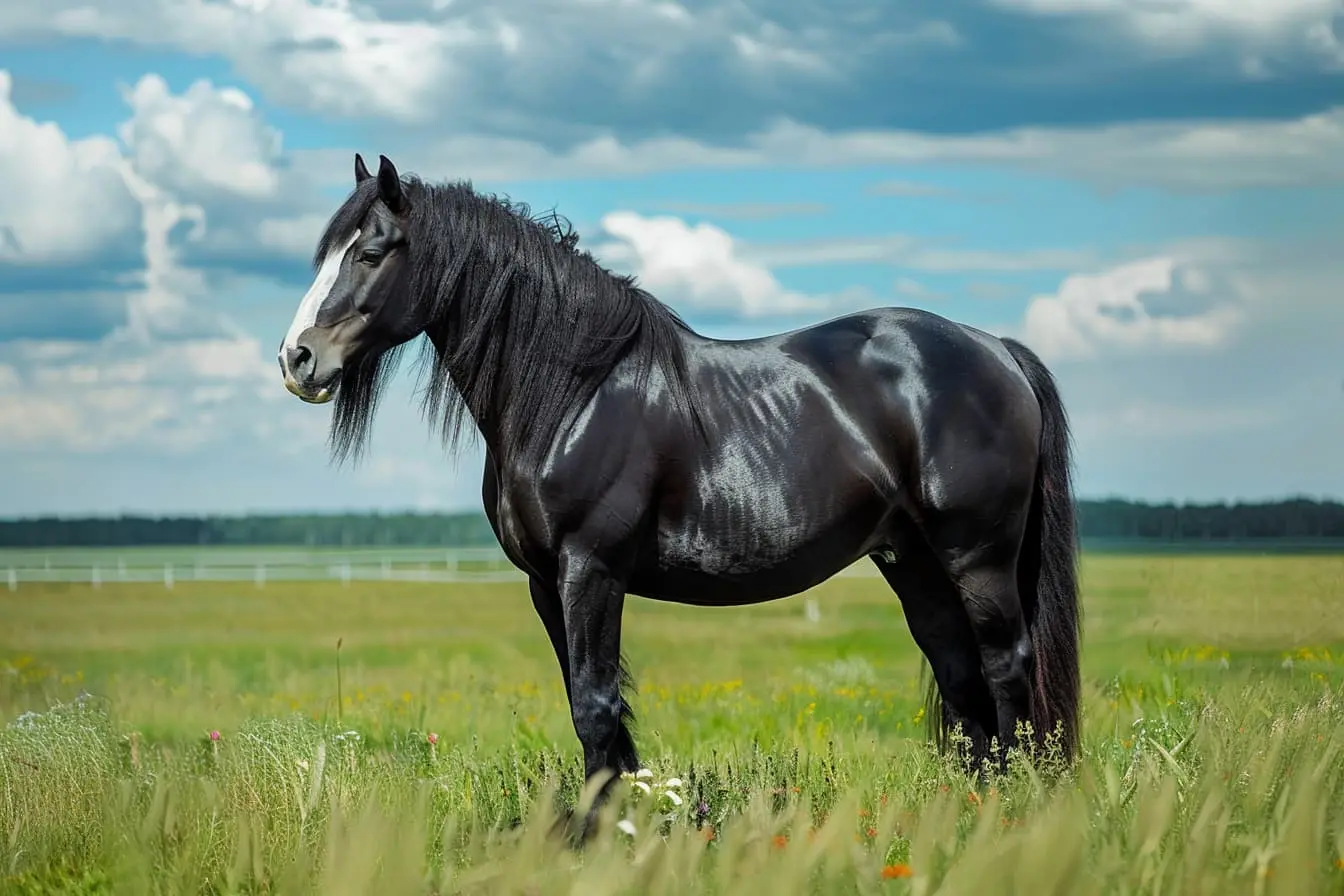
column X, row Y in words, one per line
column 346, row 219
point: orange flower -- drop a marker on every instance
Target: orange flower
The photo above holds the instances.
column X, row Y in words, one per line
column 1339, row 863
column 891, row 872
column 708, row 832
column 872, row 832
column 973, row 798
column 781, row 841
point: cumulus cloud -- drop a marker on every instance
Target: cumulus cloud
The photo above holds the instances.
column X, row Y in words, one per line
column 166, row 372
column 1201, row 372
column 1147, row 304
column 43, row 175
column 207, row 140
column 696, row 266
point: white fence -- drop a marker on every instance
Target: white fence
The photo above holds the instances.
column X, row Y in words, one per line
column 169, row 566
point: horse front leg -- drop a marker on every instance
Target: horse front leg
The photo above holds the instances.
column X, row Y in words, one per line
column 592, row 598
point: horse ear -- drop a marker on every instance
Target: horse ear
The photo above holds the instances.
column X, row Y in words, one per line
column 389, row 185
column 361, row 172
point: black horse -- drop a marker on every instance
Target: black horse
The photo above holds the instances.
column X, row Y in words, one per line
column 629, row 455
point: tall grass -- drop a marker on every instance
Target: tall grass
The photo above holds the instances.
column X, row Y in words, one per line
column 1209, row 792
column 785, row 758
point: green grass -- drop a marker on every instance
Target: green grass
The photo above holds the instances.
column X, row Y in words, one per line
column 1214, row 720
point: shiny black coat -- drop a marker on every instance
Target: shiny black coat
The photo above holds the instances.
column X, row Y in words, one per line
column 627, row 454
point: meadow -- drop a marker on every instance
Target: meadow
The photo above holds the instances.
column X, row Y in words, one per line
column 395, row 737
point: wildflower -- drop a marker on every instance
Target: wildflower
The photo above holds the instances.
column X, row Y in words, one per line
column 672, row 782
column 214, row 735
column 891, row 872
column 626, row 826
column 433, row 739
column 673, row 796
column 643, row 773
column 781, row 841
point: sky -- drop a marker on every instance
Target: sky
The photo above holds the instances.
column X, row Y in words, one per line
column 1151, row 195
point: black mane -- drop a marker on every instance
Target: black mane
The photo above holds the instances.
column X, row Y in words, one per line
column 523, row 322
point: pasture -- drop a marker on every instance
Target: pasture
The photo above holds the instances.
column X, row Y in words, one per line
column 200, row 738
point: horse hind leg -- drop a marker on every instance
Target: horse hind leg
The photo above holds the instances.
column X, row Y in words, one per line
column 942, row 631
column 987, row 582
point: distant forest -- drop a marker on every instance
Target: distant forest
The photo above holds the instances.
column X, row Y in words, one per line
column 1298, row 521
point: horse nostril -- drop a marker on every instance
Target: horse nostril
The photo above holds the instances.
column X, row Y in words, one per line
column 299, row 359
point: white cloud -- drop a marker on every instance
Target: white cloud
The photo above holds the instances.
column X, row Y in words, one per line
column 1110, row 311
column 43, row 176
column 176, row 374
column 696, row 266
column 169, row 396
column 207, row 139
column 1213, row 379
column 331, row 56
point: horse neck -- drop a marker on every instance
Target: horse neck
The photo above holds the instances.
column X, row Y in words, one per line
column 496, row 417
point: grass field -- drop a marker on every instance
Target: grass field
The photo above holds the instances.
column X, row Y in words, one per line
column 210, row 751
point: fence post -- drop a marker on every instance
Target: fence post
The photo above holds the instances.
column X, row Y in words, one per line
column 168, row 575
column 96, row 577
column 13, row 580
column 259, row 577
column 345, row 573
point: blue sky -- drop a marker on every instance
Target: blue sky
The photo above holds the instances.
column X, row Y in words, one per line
column 1148, row 194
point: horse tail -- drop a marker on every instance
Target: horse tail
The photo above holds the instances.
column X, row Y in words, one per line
column 1047, row 567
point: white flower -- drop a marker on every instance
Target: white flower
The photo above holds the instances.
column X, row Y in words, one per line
column 671, row 795
column 642, row 786
column 643, row 773
column 626, row 826
column 672, row 782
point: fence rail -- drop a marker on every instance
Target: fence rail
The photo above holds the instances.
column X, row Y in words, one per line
column 170, row 566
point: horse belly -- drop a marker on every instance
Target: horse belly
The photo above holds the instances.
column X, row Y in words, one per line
column 758, row 532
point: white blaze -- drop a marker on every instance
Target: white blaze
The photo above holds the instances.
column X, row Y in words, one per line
column 306, row 316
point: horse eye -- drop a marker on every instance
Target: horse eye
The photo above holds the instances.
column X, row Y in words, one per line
column 370, row 256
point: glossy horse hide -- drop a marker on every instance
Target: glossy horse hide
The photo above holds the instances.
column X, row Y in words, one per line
column 629, row 455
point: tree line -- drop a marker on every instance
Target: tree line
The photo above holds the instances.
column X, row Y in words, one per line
column 1298, row 520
